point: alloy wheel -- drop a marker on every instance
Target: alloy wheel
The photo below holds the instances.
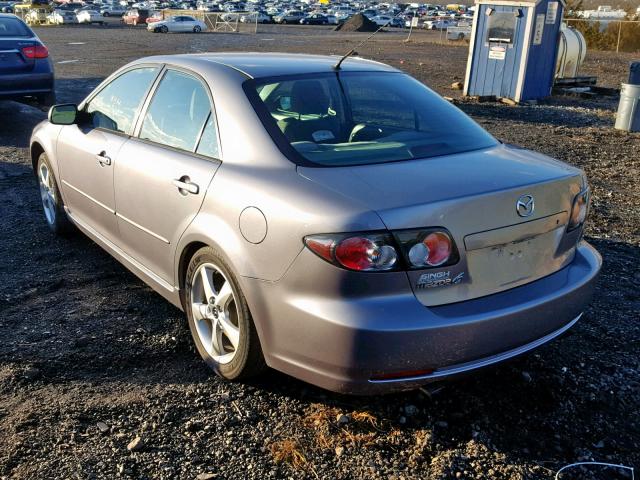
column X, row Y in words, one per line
column 47, row 193
column 215, row 313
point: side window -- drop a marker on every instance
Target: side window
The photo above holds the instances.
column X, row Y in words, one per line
column 117, row 104
column 178, row 112
column 209, row 142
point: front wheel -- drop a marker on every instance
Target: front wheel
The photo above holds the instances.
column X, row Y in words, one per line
column 164, row 29
column 197, row 29
column 219, row 318
column 52, row 202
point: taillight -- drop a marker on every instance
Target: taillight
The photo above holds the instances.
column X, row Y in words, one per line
column 579, row 210
column 364, row 252
column 379, row 252
column 427, row 248
column 35, row 51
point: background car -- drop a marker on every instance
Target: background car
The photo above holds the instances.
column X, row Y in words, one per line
column 62, row 17
column 440, row 24
column 135, row 16
column 179, row 23
column 315, row 19
column 114, row 10
column 90, row 16
column 155, row 17
column 290, row 16
column 259, row 17
column 26, row 71
column 6, row 7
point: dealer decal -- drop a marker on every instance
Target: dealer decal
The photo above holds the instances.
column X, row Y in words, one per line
column 438, row 279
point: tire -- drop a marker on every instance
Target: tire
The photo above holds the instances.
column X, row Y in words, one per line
column 52, row 202
column 197, row 29
column 105, row 14
column 228, row 361
column 164, row 29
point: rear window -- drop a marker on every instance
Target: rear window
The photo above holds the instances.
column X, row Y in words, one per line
column 359, row 118
column 12, row 27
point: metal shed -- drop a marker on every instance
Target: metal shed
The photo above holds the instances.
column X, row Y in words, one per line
column 513, row 49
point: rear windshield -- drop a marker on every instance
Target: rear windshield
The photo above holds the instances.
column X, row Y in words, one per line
column 359, row 118
column 12, row 27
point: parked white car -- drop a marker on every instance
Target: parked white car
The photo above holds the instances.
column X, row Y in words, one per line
column 442, row 24
column 62, row 17
column 181, row 23
column 90, row 16
column 332, row 20
column 459, row 33
column 114, row 10
column 381, row 20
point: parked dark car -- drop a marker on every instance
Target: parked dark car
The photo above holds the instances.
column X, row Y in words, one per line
column 6, row 7
column 26, row 70
column 315, row 19
column 136, row 16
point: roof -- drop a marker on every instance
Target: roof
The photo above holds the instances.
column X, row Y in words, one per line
column 257, row 65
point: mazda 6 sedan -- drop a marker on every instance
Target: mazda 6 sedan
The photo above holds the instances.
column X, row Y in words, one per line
column 340, row 223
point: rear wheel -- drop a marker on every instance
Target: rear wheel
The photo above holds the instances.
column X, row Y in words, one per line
column 219, row 318
column 52, row 202
column 197, row 29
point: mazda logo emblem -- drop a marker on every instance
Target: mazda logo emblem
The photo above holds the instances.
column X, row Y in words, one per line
column 525, row 206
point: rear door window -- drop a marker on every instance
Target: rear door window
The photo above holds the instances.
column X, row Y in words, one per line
column 12, row 27
column 116, row 106
column 179, row 114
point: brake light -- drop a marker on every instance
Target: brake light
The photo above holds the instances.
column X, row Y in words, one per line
column 372, row 252
column 579, row 210
column 379, row 252
column 35, row 51
column 427, row 248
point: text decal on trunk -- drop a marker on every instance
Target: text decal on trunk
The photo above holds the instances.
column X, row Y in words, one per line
column 438, row 279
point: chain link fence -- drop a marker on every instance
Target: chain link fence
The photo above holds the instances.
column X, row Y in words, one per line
column 608, row 35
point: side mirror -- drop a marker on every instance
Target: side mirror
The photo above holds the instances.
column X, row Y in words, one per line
column 65, row 114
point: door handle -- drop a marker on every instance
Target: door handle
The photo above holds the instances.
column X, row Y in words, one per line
column 185, row 186
column 103, row 159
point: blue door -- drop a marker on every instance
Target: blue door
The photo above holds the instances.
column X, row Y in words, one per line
column 498, row 50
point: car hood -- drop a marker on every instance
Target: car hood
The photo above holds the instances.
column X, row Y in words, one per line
column 407, row 194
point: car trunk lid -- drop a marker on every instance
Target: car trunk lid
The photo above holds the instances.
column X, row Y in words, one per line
column 12, row 58
column 474, row 196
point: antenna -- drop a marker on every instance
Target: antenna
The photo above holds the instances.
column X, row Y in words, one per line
column 350, row 52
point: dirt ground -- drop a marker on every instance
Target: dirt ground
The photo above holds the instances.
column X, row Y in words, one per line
column 91, row 358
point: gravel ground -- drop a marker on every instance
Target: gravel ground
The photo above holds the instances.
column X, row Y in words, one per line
column 98, row 378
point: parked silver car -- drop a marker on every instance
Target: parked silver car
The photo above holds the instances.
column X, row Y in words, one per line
column 344, row 225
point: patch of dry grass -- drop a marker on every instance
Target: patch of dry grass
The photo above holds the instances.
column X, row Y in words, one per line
column 288, row 451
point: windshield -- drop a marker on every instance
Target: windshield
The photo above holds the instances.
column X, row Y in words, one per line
column 12, row 27
column 357, row 118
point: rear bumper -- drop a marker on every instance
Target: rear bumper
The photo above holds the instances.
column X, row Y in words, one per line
column 26, row 84
column 340, row 335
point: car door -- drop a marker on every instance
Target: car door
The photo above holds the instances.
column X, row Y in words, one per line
column 188, row 24
column 87, row 152
column 180, row 24
column 164, row 171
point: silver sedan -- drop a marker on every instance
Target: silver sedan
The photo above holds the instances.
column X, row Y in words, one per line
column 340, row 223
